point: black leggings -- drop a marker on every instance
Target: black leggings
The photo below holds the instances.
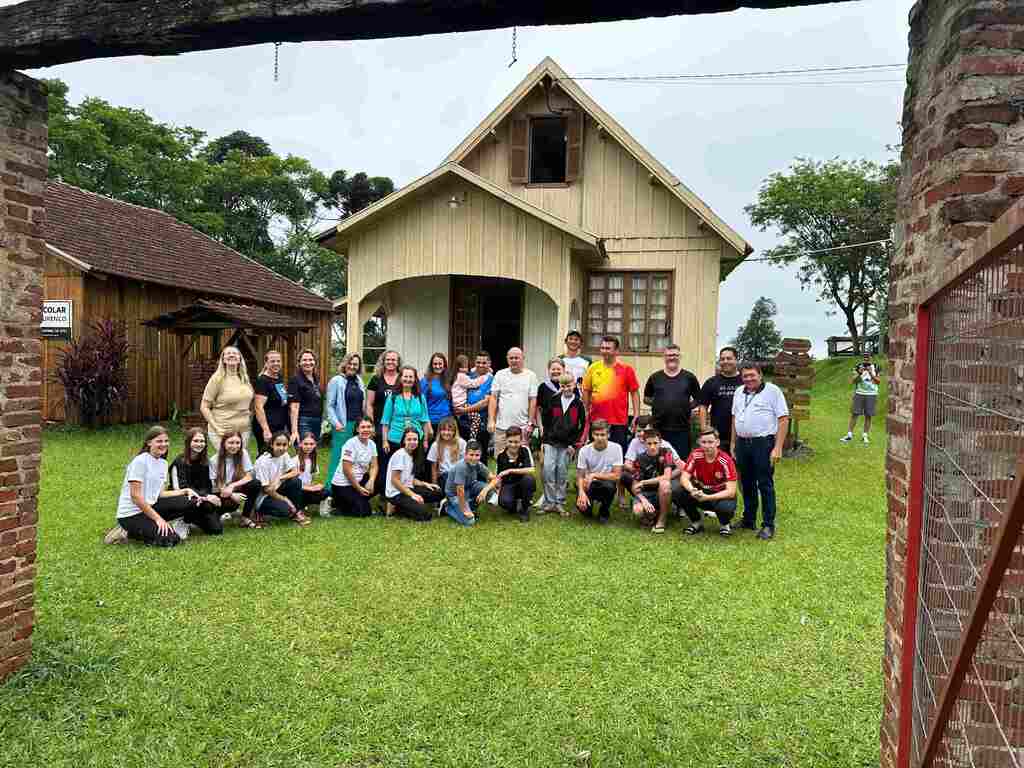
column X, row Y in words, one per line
column 602, row 494
column 349, row 502
column 141, row 528
column 291, row 489
column 251, row 490
column 521, row 489
column 409, row 507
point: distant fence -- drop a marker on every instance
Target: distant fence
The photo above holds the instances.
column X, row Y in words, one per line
column 962, row 700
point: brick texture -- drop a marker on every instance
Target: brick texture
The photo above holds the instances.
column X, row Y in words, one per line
column 963, row 167
column 22, row 179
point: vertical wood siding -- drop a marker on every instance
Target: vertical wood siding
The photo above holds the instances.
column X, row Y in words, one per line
column 157, row 372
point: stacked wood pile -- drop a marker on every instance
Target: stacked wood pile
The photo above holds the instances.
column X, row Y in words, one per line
column 794, row 374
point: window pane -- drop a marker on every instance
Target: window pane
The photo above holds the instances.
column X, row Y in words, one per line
column 597, row 297
column 596, row 311
column 639, row 283
column 547, row 150
column 614, row 326
column 615, row 311
column 614, row 297
column 662, row 342
column 639, row 297
column 659, row 297
column 597, row 281
column 658, row 313
column 637, row 326
column 638, row 343
column 660, row 283
column 596, row 326
column 658, row 327
column 615, row 282
column 595, row 340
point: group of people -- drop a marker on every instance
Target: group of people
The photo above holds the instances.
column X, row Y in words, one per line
column 421, row 444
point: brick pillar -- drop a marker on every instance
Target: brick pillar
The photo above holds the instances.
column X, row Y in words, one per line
column 963, row 165
column 22, row 177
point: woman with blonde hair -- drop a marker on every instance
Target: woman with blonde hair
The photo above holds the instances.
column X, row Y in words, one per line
column 271, row 403
column 227, row 399
column 346, row 402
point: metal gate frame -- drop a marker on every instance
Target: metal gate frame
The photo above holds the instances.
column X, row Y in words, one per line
column 1002, row 238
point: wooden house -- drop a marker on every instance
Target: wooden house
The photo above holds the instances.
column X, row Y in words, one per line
column 180, row 294
column 548, row 217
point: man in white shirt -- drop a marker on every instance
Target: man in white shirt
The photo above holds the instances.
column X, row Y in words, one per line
column 513, row 400
column 760, row 420
column 575, row 363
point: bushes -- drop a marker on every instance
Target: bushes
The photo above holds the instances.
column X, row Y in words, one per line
column 94, row 371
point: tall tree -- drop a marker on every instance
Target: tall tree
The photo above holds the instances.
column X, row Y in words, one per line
column 350, row 194
column 758, row 339
column 818, row 206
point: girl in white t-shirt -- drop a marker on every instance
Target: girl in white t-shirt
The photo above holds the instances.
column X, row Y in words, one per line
column 446, row 451
column 231, row 475
column 312, row 492
column 402, row 483
column 280, row 487
column 145, row 505
column 355, row 480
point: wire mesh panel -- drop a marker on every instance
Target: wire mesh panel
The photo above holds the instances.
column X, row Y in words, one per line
column 973, row 439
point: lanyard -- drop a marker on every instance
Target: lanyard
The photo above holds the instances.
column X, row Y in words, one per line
column 749, row 397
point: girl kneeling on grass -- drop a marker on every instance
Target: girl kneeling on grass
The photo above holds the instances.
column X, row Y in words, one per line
column 231, row 475
column 145, row 506
column 280, row 487
column 446, row 451
column 192, row 470
column 402, row 482
column 312, row 493
column 355, row 480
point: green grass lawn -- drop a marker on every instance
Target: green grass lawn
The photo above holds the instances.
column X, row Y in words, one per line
column 386, row 643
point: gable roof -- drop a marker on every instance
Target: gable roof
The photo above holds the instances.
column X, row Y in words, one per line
column 548, row 68
column 356, row 221
column 238, row 315
column 99, row 234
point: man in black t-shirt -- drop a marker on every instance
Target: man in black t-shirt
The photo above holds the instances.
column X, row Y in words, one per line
column 716, row 396
column 671, row 393
column 516, row 481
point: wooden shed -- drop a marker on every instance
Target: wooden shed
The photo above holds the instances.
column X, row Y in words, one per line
column 120, row 261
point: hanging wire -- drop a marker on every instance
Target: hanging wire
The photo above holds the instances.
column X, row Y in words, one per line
column 799, row 254
column 514, row 57
column 717, row 75
column 277, row 60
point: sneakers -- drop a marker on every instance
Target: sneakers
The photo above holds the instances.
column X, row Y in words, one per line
column 846, row 438
column 766, row 533
column 725, row 530
column 694, row 528
column 493, row 499
column 180, row 527
column 864, row 437
column 116, row 535
column 441, row 507
column 325, row 508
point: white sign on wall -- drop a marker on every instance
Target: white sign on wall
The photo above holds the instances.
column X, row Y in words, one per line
column 57, row 319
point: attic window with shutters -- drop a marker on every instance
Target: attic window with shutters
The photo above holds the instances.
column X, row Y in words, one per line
column 545, row 150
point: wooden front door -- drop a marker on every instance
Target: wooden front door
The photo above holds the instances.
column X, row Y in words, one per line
column 464, row 333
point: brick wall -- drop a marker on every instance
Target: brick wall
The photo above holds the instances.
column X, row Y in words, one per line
column 22, row 175
column 963, row 165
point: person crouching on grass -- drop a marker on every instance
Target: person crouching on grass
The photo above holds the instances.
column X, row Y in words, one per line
column 280, row 486
column 355, row 481
column 402, row 481
column 231, row 475
column 655, row 485
column 469, row 482
column 516, row 481
column 598, row 470
column 312, row 493
column 709, row 480
column 192, row 470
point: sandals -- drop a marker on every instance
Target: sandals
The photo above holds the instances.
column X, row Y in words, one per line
column 245, row 522
column 300, row 518
column 694, row 528
column 658, row 529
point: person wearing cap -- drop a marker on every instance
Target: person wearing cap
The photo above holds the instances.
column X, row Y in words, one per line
column 574, row 362
column 760, row 420
column 865, row 395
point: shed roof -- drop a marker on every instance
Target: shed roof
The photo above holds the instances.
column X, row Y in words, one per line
column 97, row 233
column 205, row 312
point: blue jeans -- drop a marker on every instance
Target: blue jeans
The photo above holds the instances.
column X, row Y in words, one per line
column 757, row 477
column 455, row 511
column 310, row 424
column 555, row 474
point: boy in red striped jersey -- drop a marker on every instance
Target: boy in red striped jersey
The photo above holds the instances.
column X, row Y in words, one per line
column 709, row 479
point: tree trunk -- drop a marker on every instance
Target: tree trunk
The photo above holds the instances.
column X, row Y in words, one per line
column 41, row 33
column 851, row 326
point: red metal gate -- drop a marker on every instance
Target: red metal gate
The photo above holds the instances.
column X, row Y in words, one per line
column 962, row 700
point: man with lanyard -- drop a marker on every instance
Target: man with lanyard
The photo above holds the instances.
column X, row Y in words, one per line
column 574, row 362
column 716, row 396
column 670, row 393
column 865, row 395
column 608, row 388
column 473, row 419
column 760, row 420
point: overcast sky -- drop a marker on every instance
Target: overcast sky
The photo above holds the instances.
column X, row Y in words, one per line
column 397, row 107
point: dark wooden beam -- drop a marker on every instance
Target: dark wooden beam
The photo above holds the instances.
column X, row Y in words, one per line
column 42, row 33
